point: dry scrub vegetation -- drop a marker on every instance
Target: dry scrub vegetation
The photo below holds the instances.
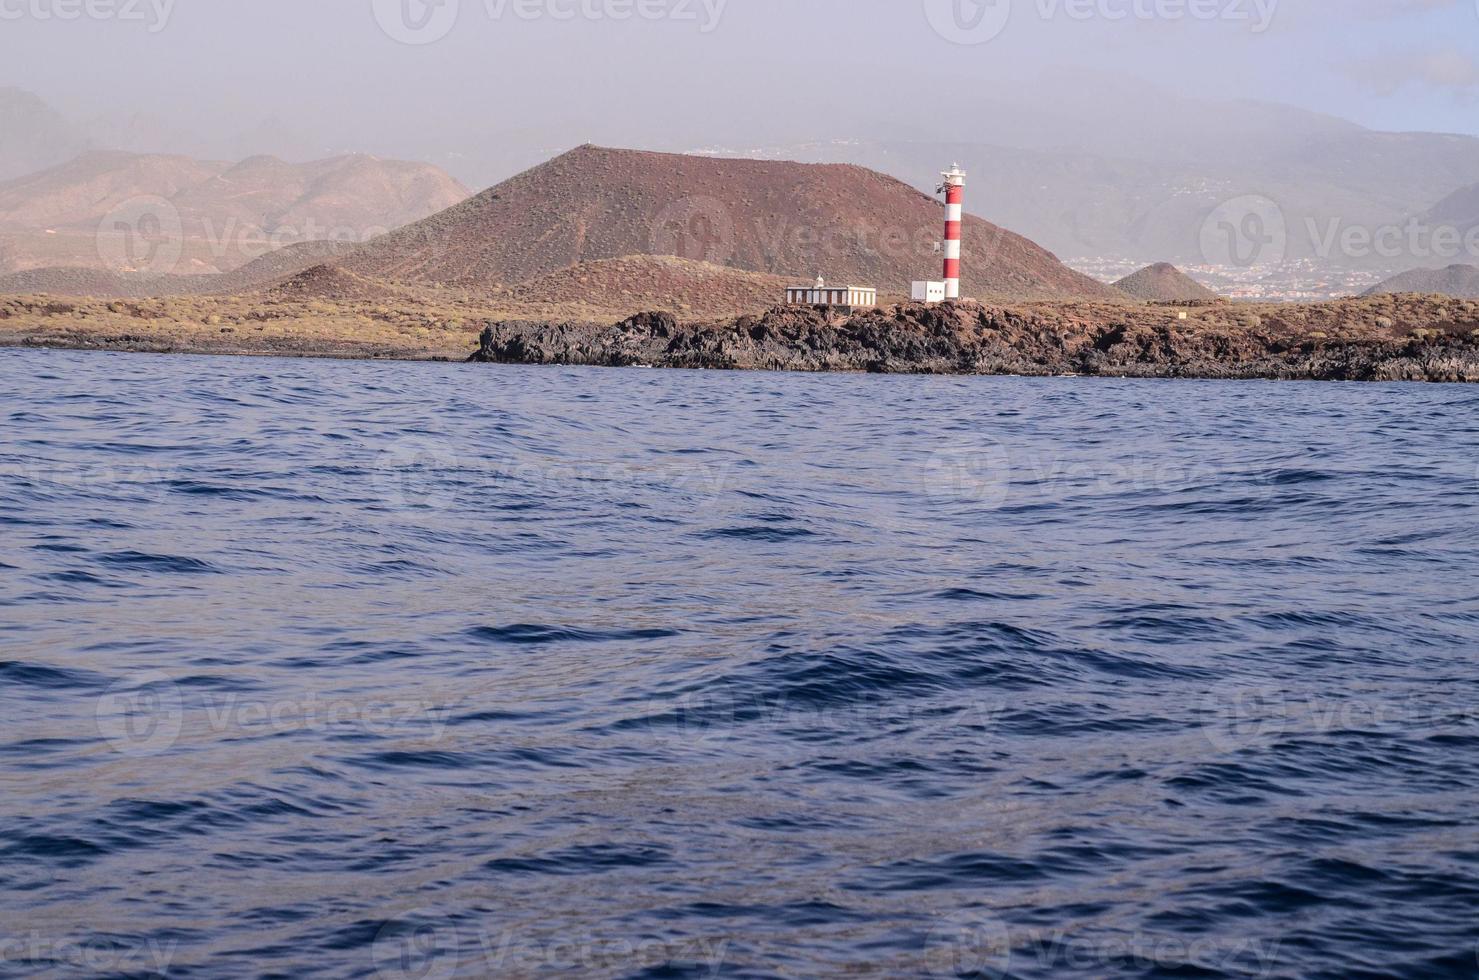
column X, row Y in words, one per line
column 428, row 326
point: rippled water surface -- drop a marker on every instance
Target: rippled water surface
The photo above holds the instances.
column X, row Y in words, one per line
column 347, row 669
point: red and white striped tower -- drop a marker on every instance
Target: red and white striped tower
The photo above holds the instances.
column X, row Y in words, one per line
column 954, row 190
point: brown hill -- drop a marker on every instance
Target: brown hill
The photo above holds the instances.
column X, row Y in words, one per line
column 1461, row 281
column 779, row 218
column 1164, row 283
column 102, row 283
column 227, row 213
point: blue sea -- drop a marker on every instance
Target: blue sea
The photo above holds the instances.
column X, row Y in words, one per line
column 334, row 669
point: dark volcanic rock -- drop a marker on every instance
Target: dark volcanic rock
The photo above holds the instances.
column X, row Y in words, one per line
column 971, row 338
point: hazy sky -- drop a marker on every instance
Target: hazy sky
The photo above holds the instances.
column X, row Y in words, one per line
column 436, row 80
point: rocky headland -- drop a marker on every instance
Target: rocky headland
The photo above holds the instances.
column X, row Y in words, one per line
column 1401, row 339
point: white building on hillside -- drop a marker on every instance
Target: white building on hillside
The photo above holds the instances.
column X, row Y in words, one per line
column 821, row 294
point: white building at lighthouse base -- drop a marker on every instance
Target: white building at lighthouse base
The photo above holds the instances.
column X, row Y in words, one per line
column 927, row 292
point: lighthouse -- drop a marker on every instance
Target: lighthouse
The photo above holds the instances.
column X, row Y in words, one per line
column 954, row 191
column 953, row 187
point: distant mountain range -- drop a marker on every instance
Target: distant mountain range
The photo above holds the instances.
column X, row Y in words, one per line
column 352, row 194
column 223, row 214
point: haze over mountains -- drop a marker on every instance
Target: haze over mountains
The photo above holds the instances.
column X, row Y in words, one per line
column 33, row 135
column 1123, row 168
column 1091, row 178
column 264, row 193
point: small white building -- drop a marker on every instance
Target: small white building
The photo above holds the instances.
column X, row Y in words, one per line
column 927, row 292
column 821, row 294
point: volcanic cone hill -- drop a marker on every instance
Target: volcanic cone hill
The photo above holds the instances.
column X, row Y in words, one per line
column 1164, row 283
column 852, row 225
column 1461, row 281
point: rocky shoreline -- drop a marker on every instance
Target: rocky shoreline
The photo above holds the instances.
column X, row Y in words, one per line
column 1348, row 341
column 1405, row 337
